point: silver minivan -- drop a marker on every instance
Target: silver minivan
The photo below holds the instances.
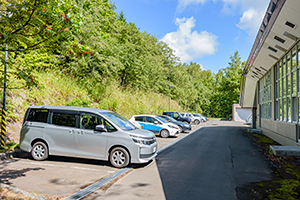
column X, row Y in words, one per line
column 87, row 133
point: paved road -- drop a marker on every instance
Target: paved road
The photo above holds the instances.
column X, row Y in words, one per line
column 60, row 176
column 208, row 165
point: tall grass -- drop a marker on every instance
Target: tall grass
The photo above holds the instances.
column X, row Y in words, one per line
column 131, row 102
column 56, row 88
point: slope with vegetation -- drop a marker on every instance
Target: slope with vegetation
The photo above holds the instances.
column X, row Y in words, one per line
column 83, row 53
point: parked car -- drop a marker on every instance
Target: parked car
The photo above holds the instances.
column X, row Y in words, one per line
column 201, row 117
column 183, row 126
column 87, row 133
column 194, row 119
column 157, row 125
column 177, row 116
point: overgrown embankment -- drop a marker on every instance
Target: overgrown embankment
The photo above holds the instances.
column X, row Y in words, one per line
column 56, row 88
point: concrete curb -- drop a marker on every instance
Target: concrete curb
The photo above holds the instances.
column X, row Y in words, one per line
column 19, row 191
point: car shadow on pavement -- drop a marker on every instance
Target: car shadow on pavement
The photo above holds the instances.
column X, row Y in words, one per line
column 78, row 160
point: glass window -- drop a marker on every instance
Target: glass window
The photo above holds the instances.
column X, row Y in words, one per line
column 299, row 109
column 118, row 120
column 64, row 119
column 38, row 115
column 283, row 87
column 294, row 111
column 284, row 110
column 294, row 82
column 298, row 55
column 175, row 115
column 294, row 59
column 283, row 67
column 289, row 110
column 288, row 79
column 281, row 113
column 89, row 121
column 150, row 119
column 280, row 88
column 139, row 119
column 277, row 110
column 162, row 119
column 288, row 65
column 280, row 70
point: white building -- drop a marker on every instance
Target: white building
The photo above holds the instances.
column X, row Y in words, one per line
column 270, row 82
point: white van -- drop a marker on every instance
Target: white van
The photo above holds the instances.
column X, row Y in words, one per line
column 87, row 133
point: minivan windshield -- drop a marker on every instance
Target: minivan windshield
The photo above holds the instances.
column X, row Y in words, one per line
column 118, row 120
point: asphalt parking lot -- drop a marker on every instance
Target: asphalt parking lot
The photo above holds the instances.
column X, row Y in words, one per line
column 59, row 177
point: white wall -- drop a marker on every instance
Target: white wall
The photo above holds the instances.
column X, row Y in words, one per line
column 242, row 114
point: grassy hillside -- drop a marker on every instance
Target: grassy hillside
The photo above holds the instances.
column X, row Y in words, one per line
column 55, row 88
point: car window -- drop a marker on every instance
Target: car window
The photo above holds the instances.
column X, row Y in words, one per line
column 139, row 119
column 150, row 119
column 169, row 119
column 119, row 121
column 38, row 115
column 162, row 119
column 89, row 121
column 169, row 114
column 175, row 115
column 64, row 119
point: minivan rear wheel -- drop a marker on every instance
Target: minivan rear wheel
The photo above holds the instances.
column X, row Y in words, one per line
column 39, row 151
column 119, row 157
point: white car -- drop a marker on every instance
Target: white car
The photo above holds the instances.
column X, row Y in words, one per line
column 156, row 124
column 201, row 117
column 194, row 119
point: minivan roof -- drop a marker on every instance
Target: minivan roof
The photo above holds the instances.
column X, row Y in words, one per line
column 71, row 108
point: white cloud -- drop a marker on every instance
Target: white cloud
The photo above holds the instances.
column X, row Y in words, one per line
column 182, row 4
column 188, row 44
column 251, row 11
column 250, row 21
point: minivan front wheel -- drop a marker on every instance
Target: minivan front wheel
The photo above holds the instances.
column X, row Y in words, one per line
column 39, row 151
column 119, row 157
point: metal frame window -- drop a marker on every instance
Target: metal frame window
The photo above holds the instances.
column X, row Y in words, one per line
column 287, row 94
column 265, row 96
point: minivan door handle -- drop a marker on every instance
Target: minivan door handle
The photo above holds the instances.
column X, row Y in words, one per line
column 80, row 133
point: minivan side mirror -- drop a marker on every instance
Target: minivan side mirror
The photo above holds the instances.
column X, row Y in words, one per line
column 100, row 128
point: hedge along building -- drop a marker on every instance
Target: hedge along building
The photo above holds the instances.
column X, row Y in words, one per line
column 270, row 81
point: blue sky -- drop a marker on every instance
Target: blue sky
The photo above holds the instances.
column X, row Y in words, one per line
column 207, row 32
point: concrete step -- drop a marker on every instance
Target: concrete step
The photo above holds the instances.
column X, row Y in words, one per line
column 285, row 150
column 252, row 130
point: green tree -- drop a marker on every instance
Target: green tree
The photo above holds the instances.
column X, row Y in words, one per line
column 227, row 83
